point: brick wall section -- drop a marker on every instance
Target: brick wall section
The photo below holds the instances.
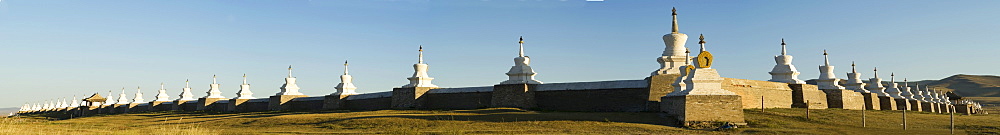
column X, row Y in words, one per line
column 659, row 86
column 887, row 103
column 470, row 100
column 601, row 100
column 872, row 101
column 704, row 110
column 775, row 94
column 844, row 99
column 803, row 93
column 369, row 104
column 514, row 95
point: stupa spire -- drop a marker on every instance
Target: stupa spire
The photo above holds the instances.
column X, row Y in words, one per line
column 421, row 55
column 687, row 56
column 520, row 46
column 701, row 38
column 289, row 71
column 826, row 58
column 892, row 77
column 345, row 67
column 213, row 80
column 244, row 78
column 853, row 69
column 783, row 50
column 675, row 28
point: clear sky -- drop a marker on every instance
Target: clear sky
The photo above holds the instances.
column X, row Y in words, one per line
column 61, row 48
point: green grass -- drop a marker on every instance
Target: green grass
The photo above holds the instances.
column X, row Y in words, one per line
column 490, row 121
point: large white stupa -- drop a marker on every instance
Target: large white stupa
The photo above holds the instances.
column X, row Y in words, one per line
column 827, row 78
column 521, row 72
column 138, row 96
column 186, row 92
column 854, row 81
column 213, row 90
column 893, row 88
column 784, row 71
column 289, row 88
column 673, row 55
column 420, row 77
column 161, row 95
column 245, row 92
column 875, row 85
column 346, row 85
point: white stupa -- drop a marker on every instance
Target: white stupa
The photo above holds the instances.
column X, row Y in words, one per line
column 918, row 94
column 346, row 85
column 213, row 90
column 245, row 92
column 521, row 72
column 854, row 81
column 679, row 85
column 186, row 92
column 928, row 97
column 420, row 77
column 784, row 71
column 875, row 85
column 670, row 61
column 827, row 78
column 75, row 102
column 289, row 88
column 121, row 97
column 905, row 90
column 138, row 96
column 702, row 79
column 935, row 97
column 893, row 88
column 161, row 95
column 63, row 104
column 110, row 100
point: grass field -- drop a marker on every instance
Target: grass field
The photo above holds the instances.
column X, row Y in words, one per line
column 492, row 121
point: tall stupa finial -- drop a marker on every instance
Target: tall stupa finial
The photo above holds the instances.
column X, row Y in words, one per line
column 421, row 50
column 520, row 44
column 853, row 69
column 905, row 84
column 345, row 67
column 826, row 59
column 244, row 78
column 687, row 56
column 675, row 27
column 161, row 85
column 701, row 37
column 213, row 80
column 892, row 77
column 783, row 52
column 876, row 72
column 187, row 83
column 289, row 71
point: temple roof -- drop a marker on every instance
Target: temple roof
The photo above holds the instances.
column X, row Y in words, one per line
column 95, row 98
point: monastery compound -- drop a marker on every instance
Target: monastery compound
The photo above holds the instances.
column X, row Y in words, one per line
column 684, row 87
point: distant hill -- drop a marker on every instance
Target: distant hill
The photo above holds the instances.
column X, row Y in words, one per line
column 5, row 111
column 963, row 85
column 968, row 85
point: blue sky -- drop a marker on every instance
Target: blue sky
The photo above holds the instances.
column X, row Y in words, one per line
column 61, row 48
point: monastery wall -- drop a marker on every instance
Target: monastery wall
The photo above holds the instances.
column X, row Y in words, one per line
column 775, row 94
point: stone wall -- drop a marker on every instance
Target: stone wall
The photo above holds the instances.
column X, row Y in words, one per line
column 807, row 96
column 775, row 94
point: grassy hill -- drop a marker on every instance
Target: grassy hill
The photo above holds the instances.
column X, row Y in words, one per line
column 963, row 85
column 491, row 121
column 969, row 85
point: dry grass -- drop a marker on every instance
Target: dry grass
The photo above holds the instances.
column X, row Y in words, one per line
column 485, row 121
